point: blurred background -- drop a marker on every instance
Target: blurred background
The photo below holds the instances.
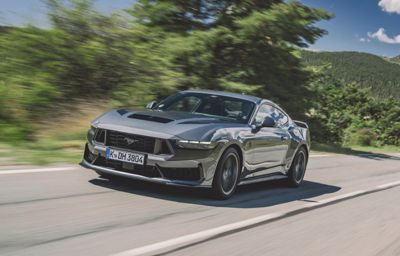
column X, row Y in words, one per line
column 59, row 74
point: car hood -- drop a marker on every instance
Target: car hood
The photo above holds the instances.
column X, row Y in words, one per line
column 164, row 124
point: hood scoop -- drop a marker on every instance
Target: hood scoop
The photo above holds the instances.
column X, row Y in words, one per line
column 151, row 118
column 122, row 111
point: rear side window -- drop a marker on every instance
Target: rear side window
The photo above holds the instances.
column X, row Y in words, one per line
column 280, row 118
column 264, row 111
column 267, row 110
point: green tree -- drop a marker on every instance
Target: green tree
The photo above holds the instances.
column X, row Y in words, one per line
column 243, row 46
column 368, row 70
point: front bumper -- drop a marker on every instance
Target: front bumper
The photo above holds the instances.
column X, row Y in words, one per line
column 105, row 170
column 159, row 163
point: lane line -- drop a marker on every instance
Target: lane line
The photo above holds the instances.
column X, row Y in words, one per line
column 52, row 169
column 389, row 185
column 319, row 155
column 54, row 198
column 185, row 241
column 340, row 197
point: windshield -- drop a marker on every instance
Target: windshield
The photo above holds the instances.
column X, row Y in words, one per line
column 222, row 107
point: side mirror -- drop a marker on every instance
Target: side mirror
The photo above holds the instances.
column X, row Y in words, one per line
column 268, row 122
column 151, row 104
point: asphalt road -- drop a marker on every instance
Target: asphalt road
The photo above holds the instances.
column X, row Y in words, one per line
column 348, row 205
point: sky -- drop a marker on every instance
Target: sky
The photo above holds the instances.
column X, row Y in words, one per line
column 21, row 12
column 359, row 25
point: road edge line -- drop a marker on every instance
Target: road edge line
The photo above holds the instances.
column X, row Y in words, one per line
column 320, row 155
column 50, row 169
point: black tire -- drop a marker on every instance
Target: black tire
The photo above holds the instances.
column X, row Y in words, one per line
column 298, row 168
column 226, row 175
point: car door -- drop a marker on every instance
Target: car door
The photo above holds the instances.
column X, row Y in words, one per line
column 266, row 147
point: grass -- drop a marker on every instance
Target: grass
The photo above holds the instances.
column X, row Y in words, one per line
column 43, row 152
column 58, row 140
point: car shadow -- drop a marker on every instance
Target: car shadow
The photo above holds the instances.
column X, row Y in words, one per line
column 261, row 194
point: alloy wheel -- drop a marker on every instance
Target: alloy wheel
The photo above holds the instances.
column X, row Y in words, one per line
column 229, row 173
column 300, row 167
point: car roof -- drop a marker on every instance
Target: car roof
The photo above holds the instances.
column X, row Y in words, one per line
column 251, row 98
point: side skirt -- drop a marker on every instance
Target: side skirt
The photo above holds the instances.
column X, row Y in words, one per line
column 267, row 177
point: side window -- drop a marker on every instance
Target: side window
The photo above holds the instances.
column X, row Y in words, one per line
column 267, row 110
column 264, row 111
column 280, row 118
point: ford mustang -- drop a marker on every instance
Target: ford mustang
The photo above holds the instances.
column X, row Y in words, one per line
column 200, row 138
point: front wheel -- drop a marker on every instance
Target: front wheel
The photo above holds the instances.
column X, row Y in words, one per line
column 226, row 175
column 297, row 169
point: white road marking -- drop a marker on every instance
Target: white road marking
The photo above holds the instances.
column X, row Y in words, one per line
column 319, row 155
column 340, row 197
column 52, row 169
column 195, row 237
column 389, row 185
column 167, row 245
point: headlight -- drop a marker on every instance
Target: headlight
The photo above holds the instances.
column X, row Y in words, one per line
column 194, row 144
column 91, row 133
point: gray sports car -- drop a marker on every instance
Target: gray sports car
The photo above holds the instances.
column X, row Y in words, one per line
column 200, row 138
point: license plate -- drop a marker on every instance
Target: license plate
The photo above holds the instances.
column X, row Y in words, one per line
column 125, row 156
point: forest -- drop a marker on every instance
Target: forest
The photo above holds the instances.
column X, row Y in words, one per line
column 381, row 75
column 156, row 48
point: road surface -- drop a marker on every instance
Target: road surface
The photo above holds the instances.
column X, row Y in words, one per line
column 348, row 205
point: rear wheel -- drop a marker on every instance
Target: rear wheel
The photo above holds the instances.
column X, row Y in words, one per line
column 226, row 175
column 297, row 169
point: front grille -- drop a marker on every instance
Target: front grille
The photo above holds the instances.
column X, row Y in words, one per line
column 164, row 148
column 100, row 136
column 130, row 141
column 143, row 170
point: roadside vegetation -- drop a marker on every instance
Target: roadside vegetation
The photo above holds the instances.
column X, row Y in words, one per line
column 156, row 48
column 353, row 150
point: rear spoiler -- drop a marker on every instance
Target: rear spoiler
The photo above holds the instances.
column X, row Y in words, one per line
column 301, row 124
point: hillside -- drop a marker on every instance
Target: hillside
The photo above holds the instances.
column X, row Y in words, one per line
column 369, row 70
column 395, row 59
